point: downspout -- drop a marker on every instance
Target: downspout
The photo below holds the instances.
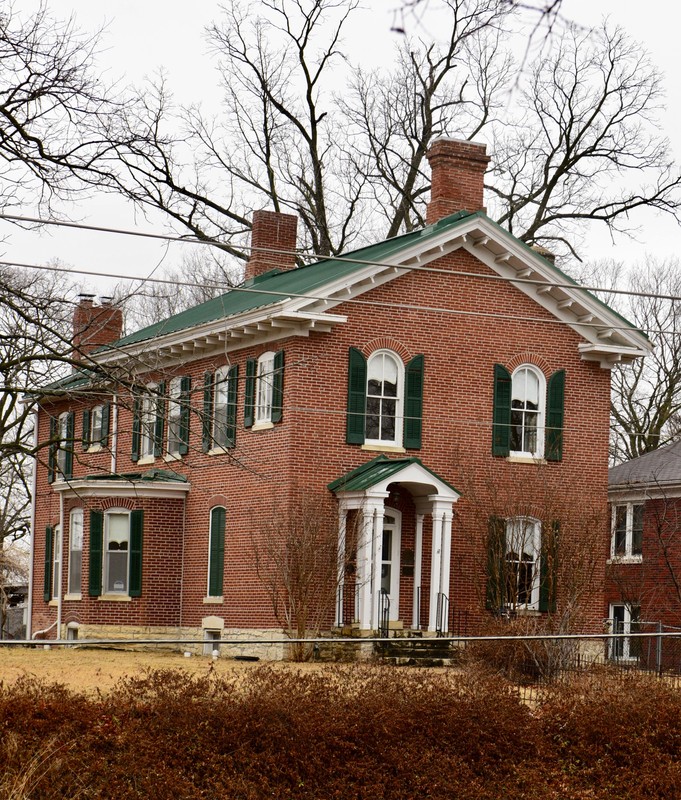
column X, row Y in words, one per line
column 34, row 485
column 184, row 534
column 61, row 563
column 114, row 434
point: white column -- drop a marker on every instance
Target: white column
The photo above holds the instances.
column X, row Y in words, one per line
column 418, row 556
column 441, row 556
column 377, row 554
column 340, row 586
column 364, row 567
column 435, row 567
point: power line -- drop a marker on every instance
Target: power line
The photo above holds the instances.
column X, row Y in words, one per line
column 299, row 254
column 353, row 300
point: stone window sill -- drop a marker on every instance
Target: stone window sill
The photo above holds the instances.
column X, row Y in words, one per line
column 115, row 598
column 213, row 601
column 625, row 560
column 73, row 596
column 383, row 448
column 262, row 426
column 521, row 459
column 146, row 460
column 95, row 448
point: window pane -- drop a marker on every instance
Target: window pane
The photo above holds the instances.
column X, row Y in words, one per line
column 388, row 420
column 637, row 530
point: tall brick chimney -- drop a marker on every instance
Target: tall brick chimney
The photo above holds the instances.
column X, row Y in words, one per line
column 458, row 169
column 94, row 326
column 273, row 243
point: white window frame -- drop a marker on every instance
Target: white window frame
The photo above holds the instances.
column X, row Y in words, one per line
column 396, row 441
column 106, row 553
column 75, row 549
column 628, row 554
column 96, row 415
column 264, row 388
column 148, row 411
column 538, row 452
column 56, row 562
column 220, row 408
column 620, row 649
column 523, row 537
column 174, row 426
column 63, row 430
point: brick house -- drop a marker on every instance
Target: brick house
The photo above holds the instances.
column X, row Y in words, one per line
column 447, row 391
column 643, row 586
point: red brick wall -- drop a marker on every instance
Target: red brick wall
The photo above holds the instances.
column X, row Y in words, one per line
column 654, row 584
column 307, row 449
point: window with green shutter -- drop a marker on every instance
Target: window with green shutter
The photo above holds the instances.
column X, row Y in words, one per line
column 96, row 552
column 47, row 577
column 496, row 564
column 501, row 421
column 249, row 394
column 357, row 387
column 207, row 419
column 555, row 400
column 413, row 403
column 135, row 566
column 216, row 554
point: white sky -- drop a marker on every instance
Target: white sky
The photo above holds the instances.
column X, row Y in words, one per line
column 142, row 36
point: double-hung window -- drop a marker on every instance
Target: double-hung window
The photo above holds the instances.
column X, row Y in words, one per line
column 115, row 553
column 264, row 394
column 523, row 551
column 219, row 408
column 75, row 550
column 624, row 620
column 627, row 531
column 175, row 417
column 528, row 413
column 56, row 563
column 96, row 426
column 385, row 400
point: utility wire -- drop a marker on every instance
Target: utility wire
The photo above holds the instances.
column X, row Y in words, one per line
column 299, row 254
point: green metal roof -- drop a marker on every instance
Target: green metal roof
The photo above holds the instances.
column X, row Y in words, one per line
column 275, row 286
column 377, row 470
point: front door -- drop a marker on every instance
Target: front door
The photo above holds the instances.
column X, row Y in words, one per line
column 390, row 560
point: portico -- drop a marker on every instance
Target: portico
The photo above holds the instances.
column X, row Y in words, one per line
column 366, row 491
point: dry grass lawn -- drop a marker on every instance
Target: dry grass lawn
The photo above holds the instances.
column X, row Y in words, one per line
column 92, row 669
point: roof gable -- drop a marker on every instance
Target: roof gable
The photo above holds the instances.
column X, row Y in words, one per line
column 295, row 302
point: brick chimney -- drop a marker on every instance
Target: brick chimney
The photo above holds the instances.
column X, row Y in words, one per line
column 272, row 232
column 94, row 326
column 458, row 168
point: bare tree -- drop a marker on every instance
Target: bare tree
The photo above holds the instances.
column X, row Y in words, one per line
column 299, row 561
column 573, row 142
column 51, row 103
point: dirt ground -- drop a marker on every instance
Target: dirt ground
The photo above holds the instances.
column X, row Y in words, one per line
column 91, row 669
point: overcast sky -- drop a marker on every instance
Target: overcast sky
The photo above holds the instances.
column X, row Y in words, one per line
column 142, row 36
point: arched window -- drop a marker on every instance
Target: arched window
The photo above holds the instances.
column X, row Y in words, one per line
column 528, row 398
column 216, row 552
column 384, row 398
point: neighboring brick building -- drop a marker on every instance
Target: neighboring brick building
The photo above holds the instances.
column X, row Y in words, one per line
column 447, row 390
column 643, row 587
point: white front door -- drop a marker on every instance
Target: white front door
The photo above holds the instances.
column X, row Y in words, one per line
column 390, row 559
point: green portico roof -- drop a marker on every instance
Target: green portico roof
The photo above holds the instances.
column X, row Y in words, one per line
column 376, row 471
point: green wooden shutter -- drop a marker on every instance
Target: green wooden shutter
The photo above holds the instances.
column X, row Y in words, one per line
column 357, row 389
column 136, row 525
column 501, row 429
column 96, row 552
column 232, row 394
column 185, row 412
column 86, row 429
column 496, row 564
column 52, row 450
column 413, row 403
column 49, row 542
column 159, row 426
column 69, row 445
column 278, row 387
column 106, row 421
column 249, row 400
column 555, row 400
column 217, row 552
column 207, row 429
column 548, row 569
column 136, row 428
